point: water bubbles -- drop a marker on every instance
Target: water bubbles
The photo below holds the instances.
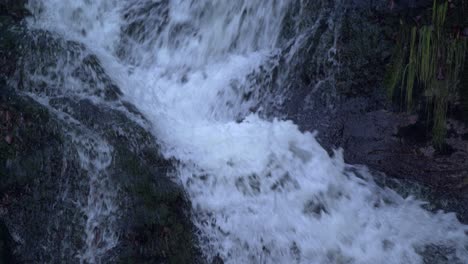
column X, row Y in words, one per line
column 262, row 191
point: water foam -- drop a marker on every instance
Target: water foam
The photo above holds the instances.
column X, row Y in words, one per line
column 261, row 190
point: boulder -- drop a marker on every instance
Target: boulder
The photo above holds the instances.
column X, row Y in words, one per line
column 82, row 178
column 349, row 108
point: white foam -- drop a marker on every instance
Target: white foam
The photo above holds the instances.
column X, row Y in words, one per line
column 262, row 191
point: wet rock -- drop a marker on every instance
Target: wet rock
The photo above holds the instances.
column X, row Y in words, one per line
column 217, row 260
column 157, row 228
column 6, row 253
column 14, row 8
column 359, row 117
column 45, row 180
column 10, row 32
column 30, row 169
column 144, row 20
column 61, row 156
column 411, row 4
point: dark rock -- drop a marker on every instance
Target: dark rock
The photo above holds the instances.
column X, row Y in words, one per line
column 153, row 217
column 53, row 153
column 30, row 170
column 359, row 117
column 144, row 20
column 465, row 32
column 6, row 241
column 411, row 4
column 14, row 8
column 10, row 32
column 217, row 260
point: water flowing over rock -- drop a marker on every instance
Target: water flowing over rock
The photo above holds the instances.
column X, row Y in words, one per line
column 178, row 131
column 82, row 179
column 355, row 114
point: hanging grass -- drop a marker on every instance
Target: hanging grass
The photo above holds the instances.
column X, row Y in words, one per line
column 396, row 68
column 411, row 75
column 426, row 56
column 432, row 57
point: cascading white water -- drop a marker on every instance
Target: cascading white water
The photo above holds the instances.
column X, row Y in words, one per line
column 99, row 207
column 261, row 190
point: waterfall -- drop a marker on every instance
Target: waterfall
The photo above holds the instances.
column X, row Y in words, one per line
column 207, row 75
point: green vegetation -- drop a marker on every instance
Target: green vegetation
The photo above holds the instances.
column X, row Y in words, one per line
column 428, row 60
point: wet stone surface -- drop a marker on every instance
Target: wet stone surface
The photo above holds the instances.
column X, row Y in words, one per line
column 60, row 157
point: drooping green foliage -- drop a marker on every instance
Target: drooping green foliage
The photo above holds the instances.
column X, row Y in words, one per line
column 430, row 57
column 411, row 69
column 396, row 68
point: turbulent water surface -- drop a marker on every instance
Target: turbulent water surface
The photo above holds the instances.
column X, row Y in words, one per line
column 205, row 74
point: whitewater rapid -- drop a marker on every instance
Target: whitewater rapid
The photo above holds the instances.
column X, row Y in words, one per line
column 261, row 190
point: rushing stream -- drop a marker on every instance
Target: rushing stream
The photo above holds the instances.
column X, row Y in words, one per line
column 205, row 73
